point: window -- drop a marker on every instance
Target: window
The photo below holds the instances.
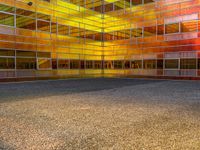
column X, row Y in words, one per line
column 7, row 63
column 189, row 26
column 43, row 26
column 188, row 64
column 171, row 63
column 44, row 63
column 74, row 31
column 119, row 35
column 26, row 63
column 6, row 8
column 25, row 23
column 63, row 64
column 25, row 54
column 198, row 63
column 136, row 64
column 97, row 64
column 89, row 64
column 160, row 64
column 160, row 29
column 149, row 64
column 63, row 30
column 82, row 64
column 26, row 60
column 74, row 64
column 198, row 25
column 43, row 22
column 44, row 54
column 127, row 34
column 148, row 1
column 43, row 17
column 149, row 31
column 116, row 6
column 44, row 60
column 54, row 28
column 139, row 32
column 46, row 1
column 54, row 64
column 25, row 19
column 108, row 36
column 136, row 32
column 108, row 7
column 99, row 8
column 22, row 12
column 7, row 60
column 171, row 28
column 118, row 64
column 6, row 19
column 7, row 52
column 108, row 65
column 136, row 2
column 127, row 64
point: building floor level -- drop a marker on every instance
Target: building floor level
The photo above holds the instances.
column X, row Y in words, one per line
column 106, row 38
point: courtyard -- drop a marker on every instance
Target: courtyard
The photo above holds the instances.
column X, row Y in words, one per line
column 96, row 114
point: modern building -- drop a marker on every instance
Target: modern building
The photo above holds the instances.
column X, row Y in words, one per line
column 99, row 38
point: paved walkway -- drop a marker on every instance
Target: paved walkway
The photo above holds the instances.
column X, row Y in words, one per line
column 100, row 114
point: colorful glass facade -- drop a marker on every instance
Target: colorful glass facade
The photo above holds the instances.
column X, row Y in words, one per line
column 68, row 38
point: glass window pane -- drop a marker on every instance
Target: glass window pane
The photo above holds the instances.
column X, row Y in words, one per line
column 63, row 30
column 44, row 63
column 136, row 64
column 6, row 19
column 108, row 7
column 43, row 26
column 43, row 17
column 188, row 64
column 127, row 64
column 25, row 23
column 25, row 54
column 25, row 13
column 54, row 64
column 82, row 64
column 89, row 64
column 74, row 64
column 148, row 1
column 7, row 52
column 7, row 63
column 118, row 64
column 189, row 26
column 149, row 64
column 160, row 64
column 54, row 28
column 97, row 64
column 160, row 30
column 63, row 64
column 172, row 28
column 47, row 1
column 108, row 65
column 6, row 8
column 198, row 63
column 150, row 31
column 136, row 2
column 26, row 63
column 136, row 32
column 171, row 64
column 44, row 54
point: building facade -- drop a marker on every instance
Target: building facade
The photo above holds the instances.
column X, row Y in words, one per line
column 99, row 38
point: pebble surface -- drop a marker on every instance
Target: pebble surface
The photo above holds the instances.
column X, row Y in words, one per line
column 100, row 114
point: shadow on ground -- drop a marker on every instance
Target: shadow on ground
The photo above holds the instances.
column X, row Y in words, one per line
column 24, row 90
column 5, row 146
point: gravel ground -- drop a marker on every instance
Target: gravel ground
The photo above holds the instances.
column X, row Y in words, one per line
column 100, row 114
